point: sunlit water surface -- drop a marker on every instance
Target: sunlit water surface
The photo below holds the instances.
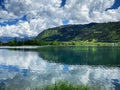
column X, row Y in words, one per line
column 22, row 68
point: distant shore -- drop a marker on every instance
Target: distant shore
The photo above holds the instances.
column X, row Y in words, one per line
column 58, row 43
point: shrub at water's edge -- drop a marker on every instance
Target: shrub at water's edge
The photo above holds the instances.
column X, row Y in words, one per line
column 63, row 86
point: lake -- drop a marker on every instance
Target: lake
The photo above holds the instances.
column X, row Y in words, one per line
column 25, row 67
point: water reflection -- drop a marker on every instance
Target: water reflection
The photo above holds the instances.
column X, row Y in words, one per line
column 28, row 68
column 89, row 55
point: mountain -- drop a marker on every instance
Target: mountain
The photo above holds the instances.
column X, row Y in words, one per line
column 101, row 32
column 7, row 39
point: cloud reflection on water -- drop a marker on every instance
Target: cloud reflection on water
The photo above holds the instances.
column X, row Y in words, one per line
column 32, row 70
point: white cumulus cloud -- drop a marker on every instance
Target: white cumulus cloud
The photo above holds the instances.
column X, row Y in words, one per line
column 20, row 30
column 43, row 14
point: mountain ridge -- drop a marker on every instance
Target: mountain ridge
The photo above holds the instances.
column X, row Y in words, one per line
column 101, row 32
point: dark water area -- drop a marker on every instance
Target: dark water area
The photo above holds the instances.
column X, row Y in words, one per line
column 22, row 68
column 82, row 55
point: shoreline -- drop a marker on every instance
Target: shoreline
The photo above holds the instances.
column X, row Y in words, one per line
column 95, row 44
column 58, row 43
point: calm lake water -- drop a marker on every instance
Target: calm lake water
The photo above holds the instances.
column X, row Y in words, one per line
column 22, row 68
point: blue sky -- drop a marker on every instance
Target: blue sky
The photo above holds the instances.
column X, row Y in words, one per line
column 30, row 17
column 15, row 21
column 115, row 5
column 63, row 2
column 2, row 4
column 10, row 22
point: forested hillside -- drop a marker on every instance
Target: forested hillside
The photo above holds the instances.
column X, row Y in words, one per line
column 101, row 32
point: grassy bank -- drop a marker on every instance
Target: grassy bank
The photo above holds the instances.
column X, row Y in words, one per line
column 63, row 86
column 67, row 43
